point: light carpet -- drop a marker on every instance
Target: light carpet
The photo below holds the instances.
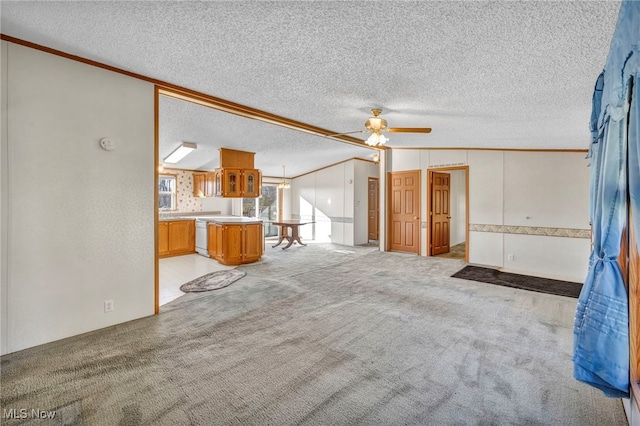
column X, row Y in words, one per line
column 325, row 335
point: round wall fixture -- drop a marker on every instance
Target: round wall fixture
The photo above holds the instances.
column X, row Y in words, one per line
column 108, row 144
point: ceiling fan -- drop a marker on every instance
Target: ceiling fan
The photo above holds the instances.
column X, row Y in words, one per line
column 376, row 126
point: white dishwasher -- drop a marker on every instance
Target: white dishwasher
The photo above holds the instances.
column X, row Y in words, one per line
column 201, row 237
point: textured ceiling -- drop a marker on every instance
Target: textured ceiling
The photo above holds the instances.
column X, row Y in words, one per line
column 506, row 74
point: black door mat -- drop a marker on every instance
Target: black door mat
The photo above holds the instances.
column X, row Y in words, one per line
column 524, row 282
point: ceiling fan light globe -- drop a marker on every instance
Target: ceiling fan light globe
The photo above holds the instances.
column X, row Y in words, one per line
column 376, row 139
column 376, row 123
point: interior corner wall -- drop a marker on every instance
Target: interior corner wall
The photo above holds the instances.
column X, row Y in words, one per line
column 362, row 172
column 329, row 198
column 80, row 223
column 533, row 206
column 458, row 206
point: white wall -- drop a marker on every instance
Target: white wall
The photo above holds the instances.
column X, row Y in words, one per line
column 216, row 204
column 546, row 190
column 363, row 170
column 486, row 201
column 333, row 197
column 458, row 207
column 529, row 190
column 80, row 219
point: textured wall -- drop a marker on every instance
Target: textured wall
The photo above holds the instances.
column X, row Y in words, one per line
column 81, row 227
column 532, row 205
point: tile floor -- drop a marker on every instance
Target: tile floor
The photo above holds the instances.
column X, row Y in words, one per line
column 178, row 270
column 175, row 271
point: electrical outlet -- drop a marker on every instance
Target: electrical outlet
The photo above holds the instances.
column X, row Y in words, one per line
column 510, row 256
column 108, row 305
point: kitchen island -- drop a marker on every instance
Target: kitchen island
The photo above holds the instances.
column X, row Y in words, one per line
column 235, row 240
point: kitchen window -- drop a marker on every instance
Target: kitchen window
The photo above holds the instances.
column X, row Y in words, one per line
column 167, row 192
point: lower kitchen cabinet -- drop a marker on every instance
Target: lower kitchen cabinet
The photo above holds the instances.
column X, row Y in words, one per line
column 235, row 243
column 176, row 237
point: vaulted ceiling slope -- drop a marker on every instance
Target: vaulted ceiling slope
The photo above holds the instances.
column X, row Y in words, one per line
column 501, row 74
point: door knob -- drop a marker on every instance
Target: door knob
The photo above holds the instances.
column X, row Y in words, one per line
column 416, row 218
column 448, row 217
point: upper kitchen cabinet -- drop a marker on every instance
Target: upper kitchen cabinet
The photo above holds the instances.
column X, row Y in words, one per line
column 245, row 183
column 237, row 176
column 251, row 183
column 199, row 184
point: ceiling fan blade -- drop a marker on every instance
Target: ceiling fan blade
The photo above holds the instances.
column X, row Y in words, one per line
column 409, row 129
column 348, row 133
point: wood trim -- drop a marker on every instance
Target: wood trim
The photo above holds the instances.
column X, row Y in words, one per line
column 632, row 274
column 189, row 95
column 156, row 156
column 466, row 219
column 192, row 96
column 183, row 93
column 333, row 165
column 489, row 149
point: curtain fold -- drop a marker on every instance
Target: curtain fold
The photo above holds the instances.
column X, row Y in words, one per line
column 601, row 330
column 601, row 327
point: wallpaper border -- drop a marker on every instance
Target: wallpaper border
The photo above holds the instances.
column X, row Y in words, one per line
column 532, row 230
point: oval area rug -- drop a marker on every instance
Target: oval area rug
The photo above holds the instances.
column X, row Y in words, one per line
column 213, row 281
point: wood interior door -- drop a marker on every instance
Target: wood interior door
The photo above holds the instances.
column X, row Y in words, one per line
column 440, row 212
column 404, row 211
column 373, row 209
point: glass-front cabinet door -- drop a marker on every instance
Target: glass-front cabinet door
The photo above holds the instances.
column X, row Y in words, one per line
column 231, row 183
column 217, row 187
column 252, row 183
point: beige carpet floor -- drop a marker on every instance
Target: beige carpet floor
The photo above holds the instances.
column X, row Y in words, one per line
column 322, row 335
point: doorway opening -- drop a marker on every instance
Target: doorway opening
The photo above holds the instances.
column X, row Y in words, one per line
column 448, row 212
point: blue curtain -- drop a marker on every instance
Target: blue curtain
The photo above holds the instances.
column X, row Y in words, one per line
column 601, row 328
column 601, row 338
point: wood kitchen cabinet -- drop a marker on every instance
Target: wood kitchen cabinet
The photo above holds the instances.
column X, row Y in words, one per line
column 236, row 177
column 176, row 237
column 209, row 184
column 251, row 183
column 199, row 182
column 235, row 243
column 245, row 183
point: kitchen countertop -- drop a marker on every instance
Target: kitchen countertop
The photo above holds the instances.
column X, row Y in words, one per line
column 214, row 219
column 233, row 219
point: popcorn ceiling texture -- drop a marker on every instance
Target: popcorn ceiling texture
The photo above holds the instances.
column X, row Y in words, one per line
column 482, row 74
